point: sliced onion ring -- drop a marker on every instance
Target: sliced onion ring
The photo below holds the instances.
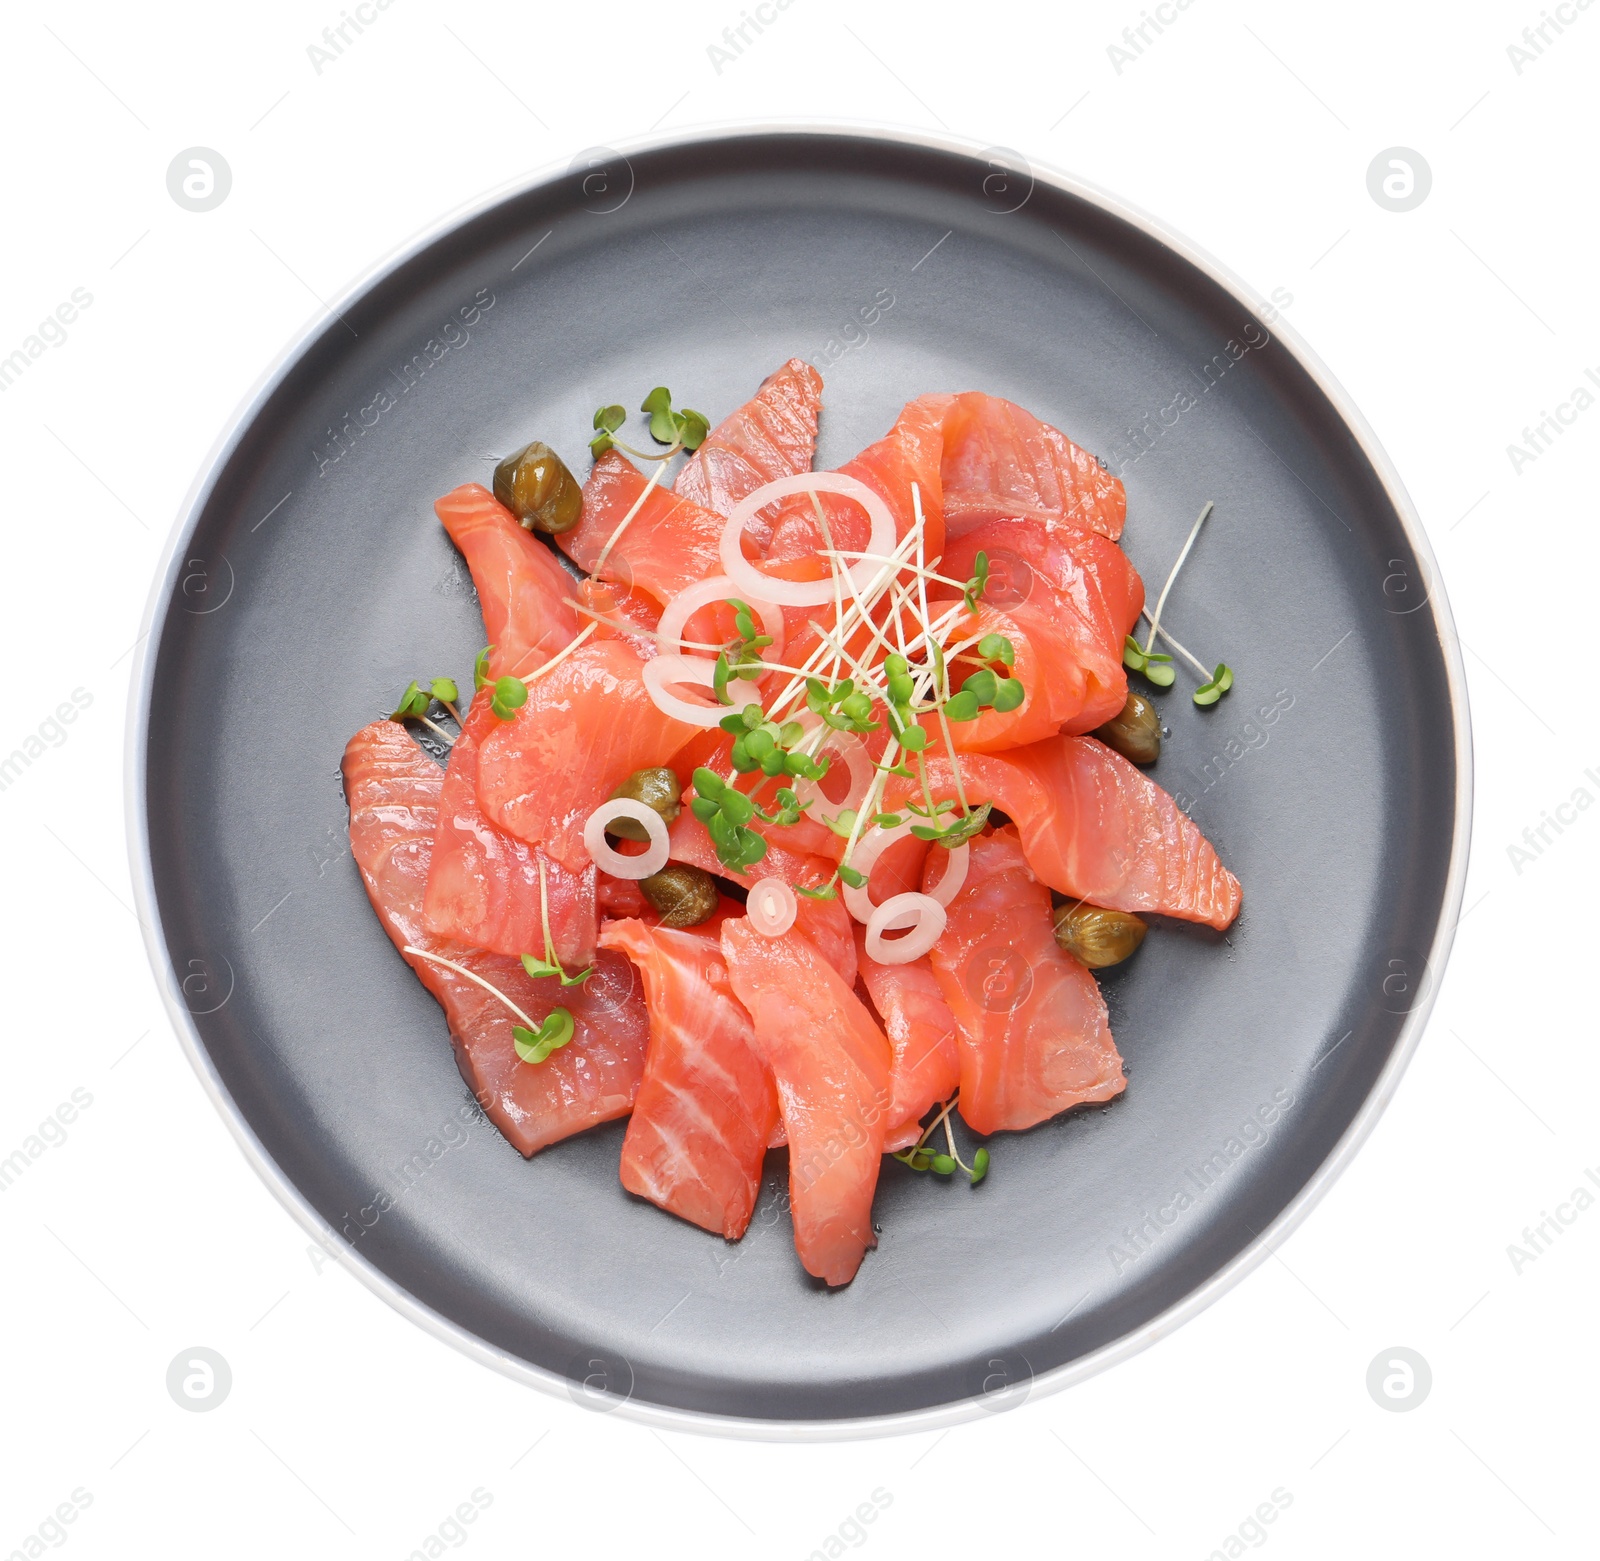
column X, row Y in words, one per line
column 614, row 862
column 659, row 671
column 873, row 844
column 771, row 907
column 719, row 588
column 921, row 912
column 804, row 593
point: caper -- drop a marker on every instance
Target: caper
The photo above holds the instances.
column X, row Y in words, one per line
column 1135, row 731
column 685, row 896
column 1096, row 936
column 535, row 485
column 658, row 789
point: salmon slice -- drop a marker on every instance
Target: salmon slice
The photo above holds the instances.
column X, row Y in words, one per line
column 831, row 1063
column 484, row 885
column 618, row 614
column 589, row 723
column 707, row 1105
column 668, row 546
column 826, row 923
column 774, row 434
column 394, row 789
column 1001, row 460
column 922, row 1038
column 1032, row 1032
column 1065, row 599
column 522, row 589
column 1097, row 828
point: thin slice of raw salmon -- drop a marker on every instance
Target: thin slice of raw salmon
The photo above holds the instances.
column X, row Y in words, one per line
column 1096, row 827
column 393, row 789
column 1033, row 1036
column 707, row 1106
column 588, row 724
column 669, row 545
column 484, row 885
column 522, row 589
column 922, row 1036
column 774, row 434
column 999, row 459
column 831, row 1063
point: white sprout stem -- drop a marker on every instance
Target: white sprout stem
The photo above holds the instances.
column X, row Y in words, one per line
column 559, row 657
column 627, row 520
column 438, row 731
column 833, row 570
column 883, row 558
column 1166, row 590
column 1189, row 656
column 544, row 915
column 461, row 970
column 933, row 1126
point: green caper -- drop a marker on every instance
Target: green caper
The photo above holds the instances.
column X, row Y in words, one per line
column 658, row 789
column 535, row 485
column 1096, row 936
column 1135, row 731
column 685, row 896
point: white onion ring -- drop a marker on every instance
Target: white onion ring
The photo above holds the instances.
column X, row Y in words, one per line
column 804, row 593
column 659, row 671
column 853, row 751
column 921, row 912
column 873, row 844
column 677, row 613
column 771, row 907
column 614, row 862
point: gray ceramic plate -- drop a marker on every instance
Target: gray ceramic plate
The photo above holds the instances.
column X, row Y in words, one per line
column 308, row 581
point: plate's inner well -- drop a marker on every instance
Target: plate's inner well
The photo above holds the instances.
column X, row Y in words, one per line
column 317, row 582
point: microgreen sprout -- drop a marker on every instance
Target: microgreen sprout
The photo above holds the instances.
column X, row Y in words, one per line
column 922, row 1158
column 685, row 430
column 1154, row 664
column 550, row 965
column 742, row 658
column 1221, row 682
column 480, row 669
column 510, row 695
column 416, row 702
column 533, row 1046
column 727, row 814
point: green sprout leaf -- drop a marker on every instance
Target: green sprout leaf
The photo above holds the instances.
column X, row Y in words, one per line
column 1221, row 682
column 827, row 891
column 480, row 669
column 534, row 1046
column 996, row 647
column 1008, row 694
column 980, row 1166
column 850, row 876
column 510, row 695
column 977, row 584
column 962, row 707
column 693, row 428
column 413, row 704
column 445, row 690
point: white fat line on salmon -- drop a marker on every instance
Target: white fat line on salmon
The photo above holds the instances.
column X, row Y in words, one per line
column 1138, row 1240
column 1539, row 1239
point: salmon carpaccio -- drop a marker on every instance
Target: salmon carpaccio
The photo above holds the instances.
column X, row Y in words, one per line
column 707, row 1106
column 1097, row 828
column 488, row 889
column 831, row 1064
column 588, row 724
column 774, row 434
column 1032, row 1034
column 393, row 789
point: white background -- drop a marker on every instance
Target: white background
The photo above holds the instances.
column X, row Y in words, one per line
column 348, row 1431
